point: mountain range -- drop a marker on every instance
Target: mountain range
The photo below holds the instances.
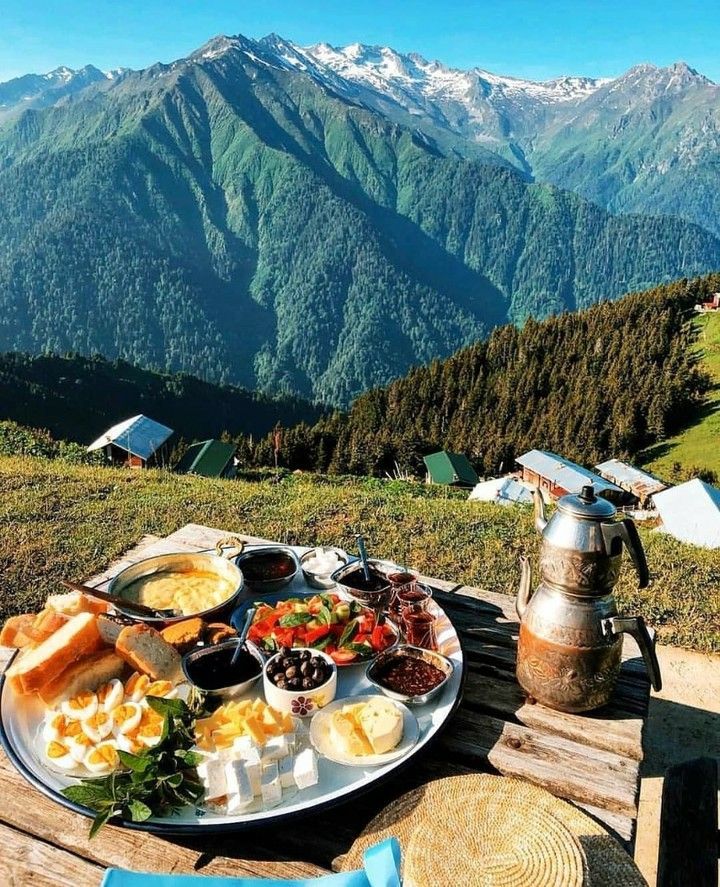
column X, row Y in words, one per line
column 316, row 221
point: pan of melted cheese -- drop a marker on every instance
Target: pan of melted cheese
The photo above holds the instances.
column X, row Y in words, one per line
column 194, row 584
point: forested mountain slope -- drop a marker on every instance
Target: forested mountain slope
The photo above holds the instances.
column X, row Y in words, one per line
column 601, row 383
column 78, row 398
column 230, row 216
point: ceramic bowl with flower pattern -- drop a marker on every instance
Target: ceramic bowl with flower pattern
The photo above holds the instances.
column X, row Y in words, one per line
column 301, row 703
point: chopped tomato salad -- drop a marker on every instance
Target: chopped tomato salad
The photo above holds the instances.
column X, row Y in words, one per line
column 343, row 629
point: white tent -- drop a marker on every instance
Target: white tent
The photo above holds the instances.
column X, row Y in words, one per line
column 502, row 491
column 138, row 435
column 691, row 513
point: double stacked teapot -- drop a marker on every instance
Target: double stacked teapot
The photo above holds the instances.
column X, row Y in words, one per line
column 570, row 645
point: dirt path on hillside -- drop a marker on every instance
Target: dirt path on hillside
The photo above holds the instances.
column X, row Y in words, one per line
column 684, row 723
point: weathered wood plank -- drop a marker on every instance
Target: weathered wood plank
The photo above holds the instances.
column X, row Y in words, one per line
column 568, row 769
column 505, row 697
column 25, row 860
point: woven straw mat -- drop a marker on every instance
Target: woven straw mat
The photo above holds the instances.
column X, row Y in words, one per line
column 495, row 831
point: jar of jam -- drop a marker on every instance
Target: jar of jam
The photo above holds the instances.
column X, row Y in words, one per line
column 419, row 628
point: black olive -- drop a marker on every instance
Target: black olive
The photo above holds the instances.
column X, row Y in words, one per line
column 306, row 669
column 287, row 662
column 318, row 676
column 291, row 672
column 284, row 651
column 281, row 683
column 277, row 678
column 308, row 684
column 317, row 662
column 305, row 655
column 294, row 683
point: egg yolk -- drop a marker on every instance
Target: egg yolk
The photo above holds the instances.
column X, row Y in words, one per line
column 136, row 685
column 104, row 754
column 158, row 688
column 56, row 750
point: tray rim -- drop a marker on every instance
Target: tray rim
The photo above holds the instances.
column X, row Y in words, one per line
column 168, row 827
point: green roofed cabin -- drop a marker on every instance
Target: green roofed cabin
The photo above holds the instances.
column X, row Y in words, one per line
column 452, row 469
column 209, row 458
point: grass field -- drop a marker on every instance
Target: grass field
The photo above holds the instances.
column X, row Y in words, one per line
column 66, row 521
column 698, row 447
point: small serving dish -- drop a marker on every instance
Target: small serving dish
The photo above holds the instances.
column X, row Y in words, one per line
column 300, row 702
column 322, row 579
column 377, row 594
column 268, row 567
column 407, row 664
column 210, row 669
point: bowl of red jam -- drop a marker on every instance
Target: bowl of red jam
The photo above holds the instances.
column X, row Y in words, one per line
column 410, row 674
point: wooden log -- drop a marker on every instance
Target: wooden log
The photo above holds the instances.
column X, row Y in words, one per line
column 688, row 852
column 27, row 861
column 567, row 769
column 505, row 698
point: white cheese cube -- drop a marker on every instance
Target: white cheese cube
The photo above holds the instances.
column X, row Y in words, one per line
column 285, row 769
column 254, row 774
column 270, row 785
column 305, row 770
column 275, row 748
column 239, row 790
column 212, row 775
column 241, row 746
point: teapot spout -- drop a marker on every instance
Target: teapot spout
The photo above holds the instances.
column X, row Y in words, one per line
column 540, row 519
column 525, row 590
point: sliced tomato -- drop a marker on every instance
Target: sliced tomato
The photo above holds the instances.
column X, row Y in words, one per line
column 284, row 636
column 342, row 657
column 377, row 638
column 316, row 633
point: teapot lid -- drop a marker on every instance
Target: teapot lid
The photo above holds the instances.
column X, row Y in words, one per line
column 587, row 504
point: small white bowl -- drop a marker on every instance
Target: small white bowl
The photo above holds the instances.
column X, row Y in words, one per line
column 301, row 703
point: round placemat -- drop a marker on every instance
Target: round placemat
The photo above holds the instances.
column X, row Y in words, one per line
column 433, row 808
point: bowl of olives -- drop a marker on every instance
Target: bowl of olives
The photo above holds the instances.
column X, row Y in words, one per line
column 299, row 680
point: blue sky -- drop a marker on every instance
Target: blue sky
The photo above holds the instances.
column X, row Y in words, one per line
column 528, row 38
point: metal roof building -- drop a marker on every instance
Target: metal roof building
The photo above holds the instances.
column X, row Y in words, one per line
column 501, row 491
column 691, row 513
column 138, row 437
column 450, row 468
column 559, row 476
column 636, row 481
column 209, row 458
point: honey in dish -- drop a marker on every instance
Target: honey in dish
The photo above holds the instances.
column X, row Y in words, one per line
column 191, row 591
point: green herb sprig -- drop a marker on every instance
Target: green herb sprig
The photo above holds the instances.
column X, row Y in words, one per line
column 157, row 782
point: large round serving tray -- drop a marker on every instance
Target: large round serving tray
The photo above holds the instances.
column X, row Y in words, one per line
column 20, row 718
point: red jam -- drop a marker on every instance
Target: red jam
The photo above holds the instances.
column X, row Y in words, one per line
column 409, row 675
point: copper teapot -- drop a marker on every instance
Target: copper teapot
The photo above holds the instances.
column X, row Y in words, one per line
column 570, row 645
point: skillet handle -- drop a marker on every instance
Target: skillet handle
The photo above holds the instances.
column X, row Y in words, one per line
column 234, row 544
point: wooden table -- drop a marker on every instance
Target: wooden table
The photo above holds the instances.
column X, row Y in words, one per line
column 591, row 760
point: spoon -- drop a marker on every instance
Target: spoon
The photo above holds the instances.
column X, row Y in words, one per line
column 363, row 556
column 121, row 603
column 242, row 637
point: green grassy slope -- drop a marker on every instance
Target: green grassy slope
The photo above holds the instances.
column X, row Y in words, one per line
column 59, row 520
column 698, row 447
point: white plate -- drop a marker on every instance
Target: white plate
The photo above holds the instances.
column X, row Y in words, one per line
column 320, row 735
column 20, row 717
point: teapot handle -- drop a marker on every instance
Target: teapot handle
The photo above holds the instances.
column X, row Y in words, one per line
column 626, row 532
column 635, row 626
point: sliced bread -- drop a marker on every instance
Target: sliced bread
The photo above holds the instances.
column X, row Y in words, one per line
column 146, row 650
column 77, row 638
column 86, row 674
column 75, row 602
column 15, row 631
